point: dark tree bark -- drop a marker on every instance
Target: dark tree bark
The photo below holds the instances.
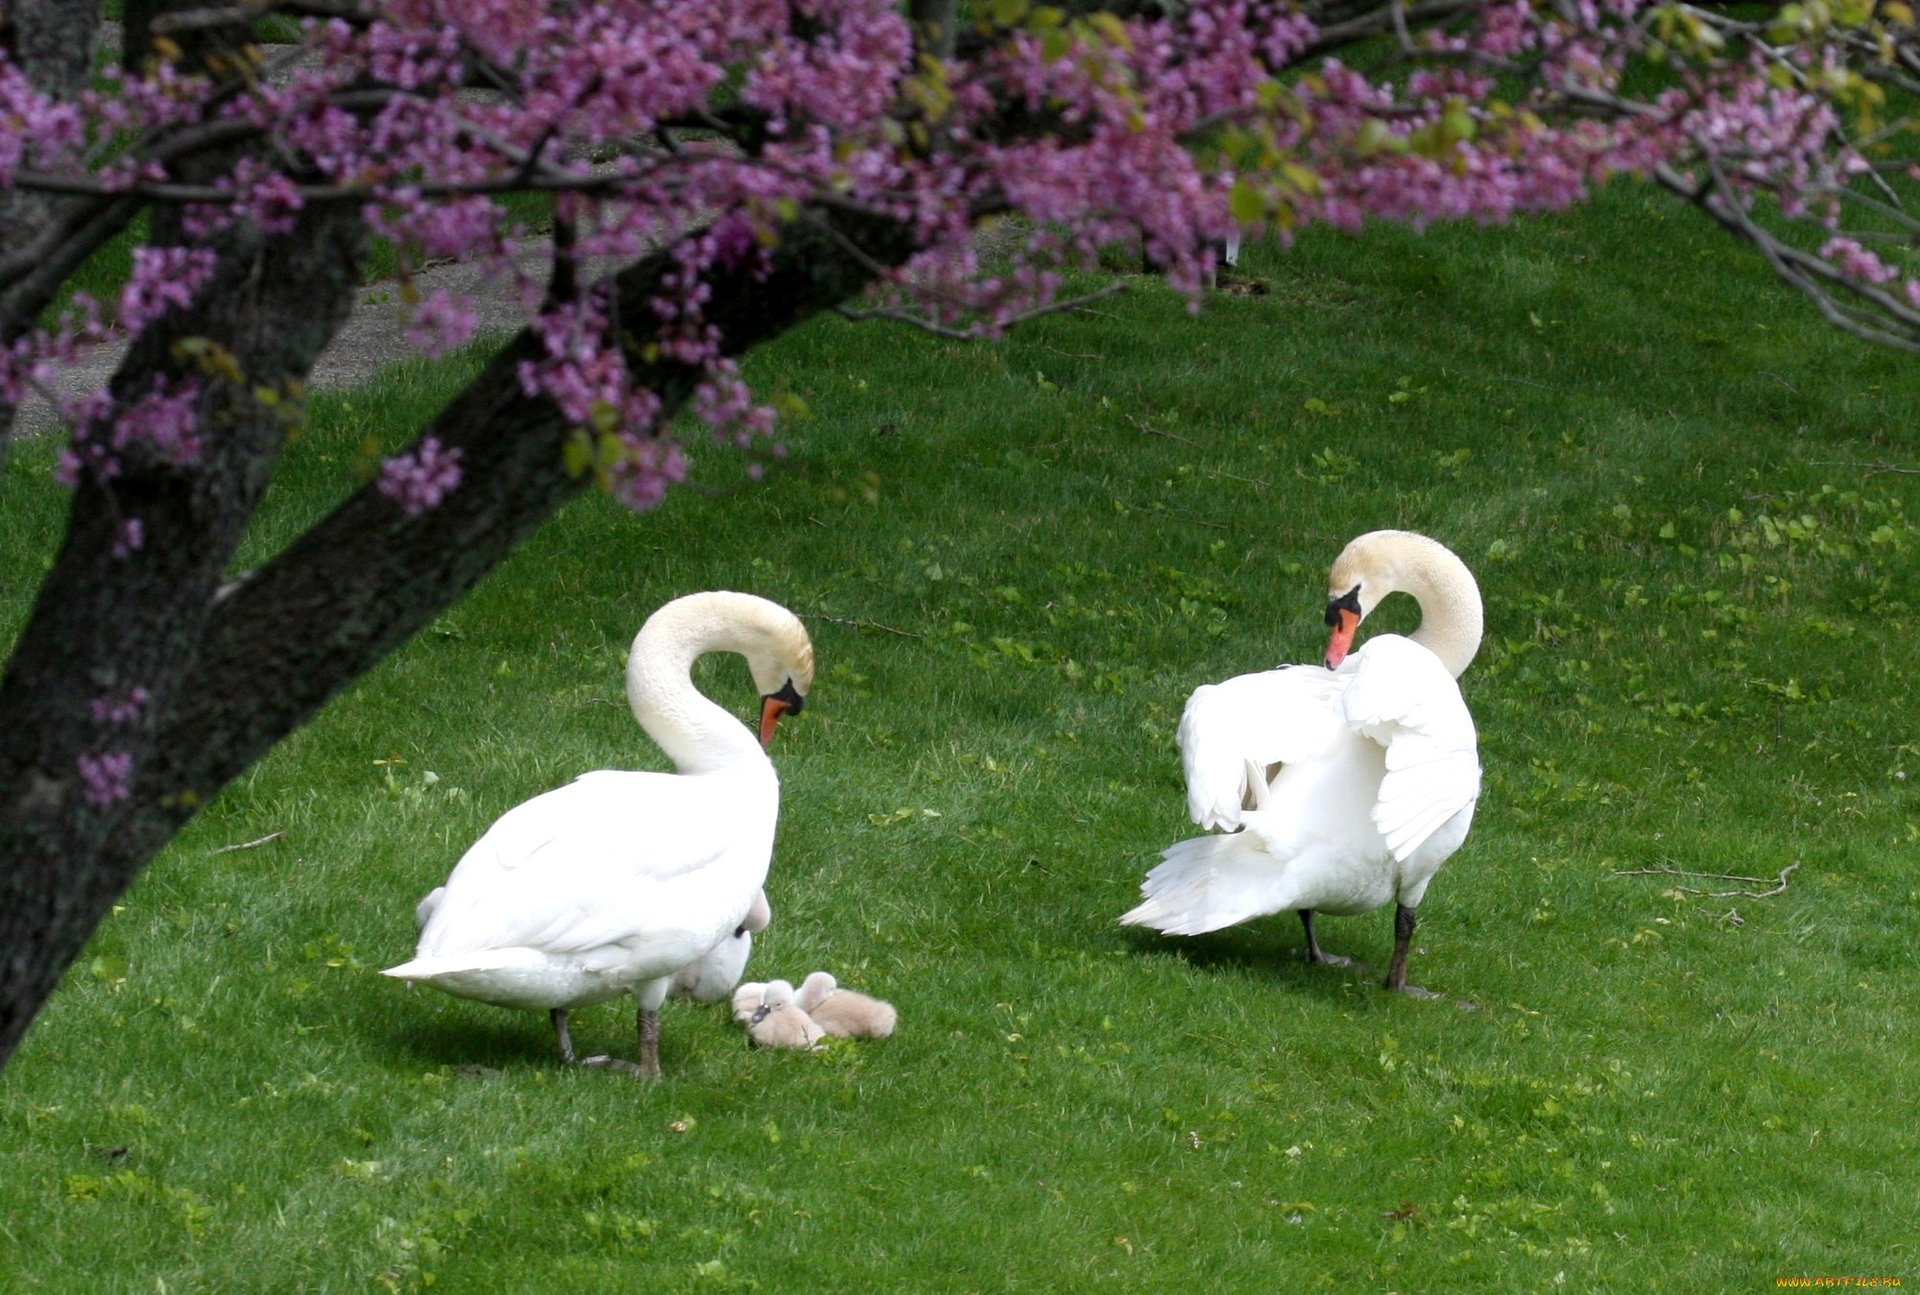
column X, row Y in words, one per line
column 118, row 611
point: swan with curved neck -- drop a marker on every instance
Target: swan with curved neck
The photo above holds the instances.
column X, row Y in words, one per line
column 618, row 880
column 1383, row 562
column 1339, row 788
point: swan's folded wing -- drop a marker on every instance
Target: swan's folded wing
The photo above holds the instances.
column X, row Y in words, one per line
column 1233, row 733
column 608, row 816
column 1403, row 698
column 593, row 864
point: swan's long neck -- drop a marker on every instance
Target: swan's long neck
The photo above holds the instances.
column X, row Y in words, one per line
column 696, row 733
column 1451, row 621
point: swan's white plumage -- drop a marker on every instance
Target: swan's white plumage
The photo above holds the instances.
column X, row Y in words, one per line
column 587, row 891
column 1229, row 742
column 1337, row 791
column 713, row 977
column 618, row 880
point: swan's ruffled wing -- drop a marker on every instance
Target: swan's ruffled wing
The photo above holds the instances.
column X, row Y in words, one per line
column 609, row 862
column 1233, row 733
column 1401, row 697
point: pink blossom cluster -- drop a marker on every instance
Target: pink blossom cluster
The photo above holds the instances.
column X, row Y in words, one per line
column 708, row 129
column 420, row 478
column 162, row 424
column 442, row 321
column 106, row 777
column 163, row 279
column 122, row 707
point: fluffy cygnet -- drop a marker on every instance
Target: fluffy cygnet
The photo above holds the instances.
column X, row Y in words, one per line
column 779, row 1022
column 747, row 999
column 844, row 1013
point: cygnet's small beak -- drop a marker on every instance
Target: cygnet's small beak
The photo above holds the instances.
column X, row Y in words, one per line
column 774, row 705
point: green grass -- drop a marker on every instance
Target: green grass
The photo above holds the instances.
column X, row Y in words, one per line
column 1016, row 563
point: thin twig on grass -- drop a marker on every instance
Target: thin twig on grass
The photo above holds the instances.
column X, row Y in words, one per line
column 1176, row 513
column 1871, row 469
column 926, row 324
column 1252, row 481
column 1155, row 431
column 1779, row 886
column 248, row 845
column 859, row 623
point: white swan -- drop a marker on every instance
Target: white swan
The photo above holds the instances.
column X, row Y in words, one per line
column 1343, row 787
column 616, row 881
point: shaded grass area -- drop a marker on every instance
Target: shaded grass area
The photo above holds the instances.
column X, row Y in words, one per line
column 1016, row 562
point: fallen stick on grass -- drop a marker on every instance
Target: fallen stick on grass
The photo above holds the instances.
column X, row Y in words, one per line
column 1779, row 887
column 248, row 845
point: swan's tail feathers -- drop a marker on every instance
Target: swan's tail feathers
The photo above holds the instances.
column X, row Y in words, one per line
column 429, row 970
column 1211, row 882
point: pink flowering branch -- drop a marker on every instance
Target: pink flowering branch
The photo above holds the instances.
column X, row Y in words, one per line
column 1025, row 120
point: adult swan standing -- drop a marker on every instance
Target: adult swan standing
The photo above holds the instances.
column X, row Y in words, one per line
column 612, row 883
column 1341, row 788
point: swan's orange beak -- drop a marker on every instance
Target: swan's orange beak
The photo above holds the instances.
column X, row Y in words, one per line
column 1344, row 621
column 774, row 705
column 771, row 709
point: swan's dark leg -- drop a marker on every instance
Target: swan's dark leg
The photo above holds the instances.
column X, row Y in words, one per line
column 560, row 1035
column 1403, row 924
column 1314, row 952
column 648, row 996
column 648, row 1025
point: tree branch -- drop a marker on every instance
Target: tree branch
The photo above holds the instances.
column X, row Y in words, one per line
column 364, row 579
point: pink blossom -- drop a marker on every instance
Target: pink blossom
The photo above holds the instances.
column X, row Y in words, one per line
column 442, row 321
column 1856, row 262
column 163, row 279
column 419, row 479
column 641, row 476
column 120, row 707
column 106, row 777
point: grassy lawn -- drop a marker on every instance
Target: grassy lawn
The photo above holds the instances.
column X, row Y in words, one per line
column 1016, row 562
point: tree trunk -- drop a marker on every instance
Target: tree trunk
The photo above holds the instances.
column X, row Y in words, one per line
column 122, row 610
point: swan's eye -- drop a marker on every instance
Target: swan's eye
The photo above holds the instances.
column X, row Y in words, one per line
column 739, row 931
column 1346, row 602
column 791, row 696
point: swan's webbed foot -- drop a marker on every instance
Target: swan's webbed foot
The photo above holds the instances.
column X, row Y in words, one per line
column 622, row 1065
column 1316, row 954
column 648, row 1067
